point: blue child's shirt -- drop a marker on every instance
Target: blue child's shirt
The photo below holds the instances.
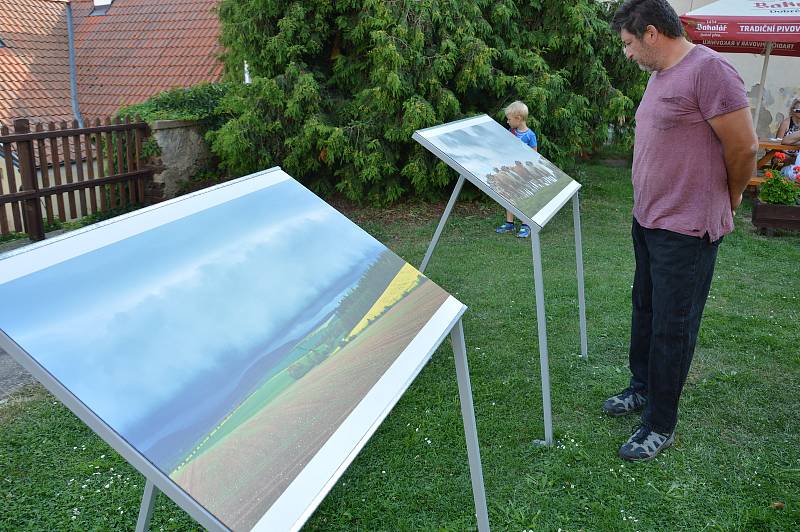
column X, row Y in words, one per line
column 528, row 137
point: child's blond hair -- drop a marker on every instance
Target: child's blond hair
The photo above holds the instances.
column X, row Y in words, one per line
column 517, row 109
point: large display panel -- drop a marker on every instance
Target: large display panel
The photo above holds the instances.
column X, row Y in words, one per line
column 512, row 173
column 238, row 346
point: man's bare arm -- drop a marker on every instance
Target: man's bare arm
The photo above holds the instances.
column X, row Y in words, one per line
column 740, row 144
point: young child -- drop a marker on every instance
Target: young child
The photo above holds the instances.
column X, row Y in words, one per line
column 517, row 118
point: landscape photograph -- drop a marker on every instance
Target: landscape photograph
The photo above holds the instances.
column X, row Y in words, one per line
column 230, row 354
column 491, row 153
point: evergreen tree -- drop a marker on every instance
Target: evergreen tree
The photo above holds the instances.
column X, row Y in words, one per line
column 339, row 87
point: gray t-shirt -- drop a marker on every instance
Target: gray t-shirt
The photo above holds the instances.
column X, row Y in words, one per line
column 679, row 178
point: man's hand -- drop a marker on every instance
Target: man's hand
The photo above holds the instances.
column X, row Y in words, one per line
column 735, row 205
column 739, row 143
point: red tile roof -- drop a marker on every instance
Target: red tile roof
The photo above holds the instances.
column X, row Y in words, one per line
column 34, row 64
column 142, row 47
column 136, row 50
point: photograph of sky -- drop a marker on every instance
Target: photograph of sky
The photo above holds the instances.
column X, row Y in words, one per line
column 225, row 346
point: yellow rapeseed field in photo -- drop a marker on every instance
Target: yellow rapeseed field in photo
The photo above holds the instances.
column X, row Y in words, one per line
column 406, row 279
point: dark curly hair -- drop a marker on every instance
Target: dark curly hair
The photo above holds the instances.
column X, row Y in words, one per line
column 634, row 16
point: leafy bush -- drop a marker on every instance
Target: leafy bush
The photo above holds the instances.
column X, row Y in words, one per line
column 779, row 190
column 14, row 235
column 198, row 102
column 339, row 87
column 263, row 130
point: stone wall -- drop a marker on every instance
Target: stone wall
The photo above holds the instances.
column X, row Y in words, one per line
column 183, row 153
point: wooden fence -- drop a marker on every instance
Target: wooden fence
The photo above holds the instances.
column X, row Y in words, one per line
column 69, row 172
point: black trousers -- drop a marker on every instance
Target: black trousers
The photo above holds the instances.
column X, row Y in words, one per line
column 670, row 287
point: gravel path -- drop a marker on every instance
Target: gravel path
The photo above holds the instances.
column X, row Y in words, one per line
column 12, row 375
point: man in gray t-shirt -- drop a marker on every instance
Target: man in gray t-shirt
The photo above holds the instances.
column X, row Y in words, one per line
column 694, row 153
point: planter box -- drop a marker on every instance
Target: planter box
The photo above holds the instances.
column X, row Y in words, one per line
column 766, row 215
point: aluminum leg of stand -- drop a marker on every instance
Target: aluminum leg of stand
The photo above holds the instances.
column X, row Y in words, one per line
column 146, row 509
column 576, row 216
column 470, row 429
column 541, row 321
column 438, row 233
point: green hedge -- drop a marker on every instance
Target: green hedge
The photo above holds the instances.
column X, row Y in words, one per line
column 199, row 102
column 339, row 87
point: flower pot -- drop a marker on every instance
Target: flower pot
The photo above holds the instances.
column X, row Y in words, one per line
column 767, row 215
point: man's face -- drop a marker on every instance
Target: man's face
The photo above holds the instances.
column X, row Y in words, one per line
column 640, row 50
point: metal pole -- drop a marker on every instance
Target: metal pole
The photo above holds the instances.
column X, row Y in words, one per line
column 438, row 232
column 767, row 51
column 146, row 509
column 576, row 217
column 73, row 81
column 470, row 428
column 542, row 323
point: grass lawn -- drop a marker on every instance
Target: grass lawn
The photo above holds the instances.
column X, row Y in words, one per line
column 735, row 464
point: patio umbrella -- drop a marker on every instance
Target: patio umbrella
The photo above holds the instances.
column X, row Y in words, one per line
column 746, row 26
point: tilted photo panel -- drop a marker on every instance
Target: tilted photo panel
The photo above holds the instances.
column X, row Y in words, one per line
column 510, row 171
column 244, row 341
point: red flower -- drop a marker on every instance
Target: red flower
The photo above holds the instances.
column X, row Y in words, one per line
column 796, row 169
column 780, row 156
